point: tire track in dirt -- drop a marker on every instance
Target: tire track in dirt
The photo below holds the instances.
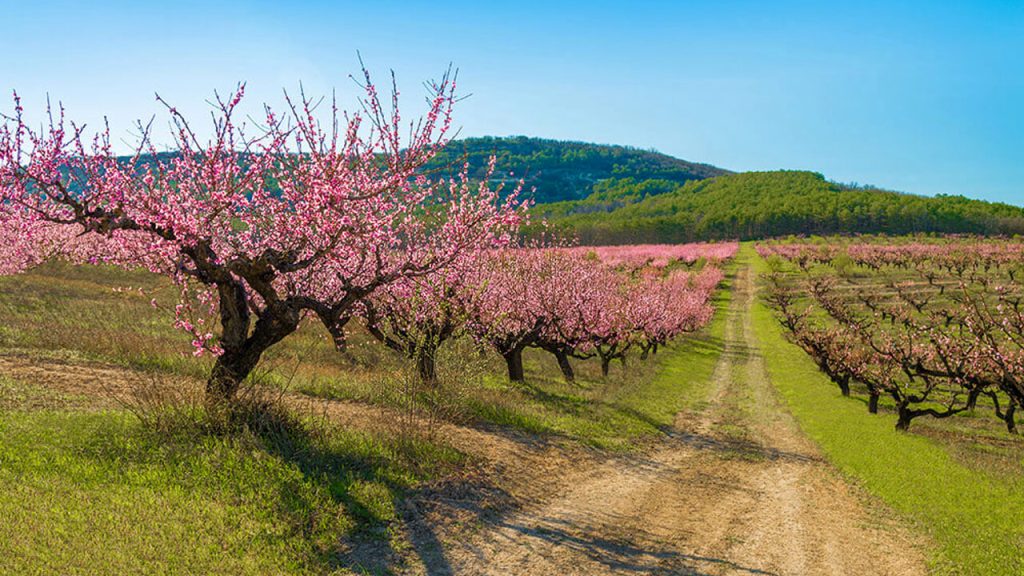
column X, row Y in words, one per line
column 736, row 490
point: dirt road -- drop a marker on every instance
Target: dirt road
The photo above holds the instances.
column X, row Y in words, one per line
column 737, row 489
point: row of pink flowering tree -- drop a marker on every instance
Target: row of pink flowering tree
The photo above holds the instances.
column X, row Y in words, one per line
column 572, row 307
column 326, row 215
column 552, row 299
column 660, row 255
column 262, row 225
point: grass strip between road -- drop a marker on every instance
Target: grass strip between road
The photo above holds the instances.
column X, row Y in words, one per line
column 96, row 493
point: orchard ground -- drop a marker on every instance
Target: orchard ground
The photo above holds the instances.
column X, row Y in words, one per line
column 726, row 453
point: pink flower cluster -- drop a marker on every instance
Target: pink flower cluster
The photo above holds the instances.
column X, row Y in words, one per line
column 299, row 217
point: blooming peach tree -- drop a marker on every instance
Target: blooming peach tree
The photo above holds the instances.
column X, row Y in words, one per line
column 266, row 224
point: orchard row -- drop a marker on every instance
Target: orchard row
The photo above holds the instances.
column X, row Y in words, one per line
column 933, row 326
column 552, row 299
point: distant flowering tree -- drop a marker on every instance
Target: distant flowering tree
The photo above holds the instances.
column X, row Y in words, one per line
column 572, row 306
column 661, row 309
column 25, row 242
column 659, row 255
column 264, row 225
column 415, row 316
column 505, row 313
column 580, row 300
column 609, row 335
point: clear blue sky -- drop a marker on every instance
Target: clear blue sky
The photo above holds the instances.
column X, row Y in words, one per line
column 924, row 97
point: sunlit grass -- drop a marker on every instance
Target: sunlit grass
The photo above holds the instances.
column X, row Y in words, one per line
column 634, row 404
column 74, row 310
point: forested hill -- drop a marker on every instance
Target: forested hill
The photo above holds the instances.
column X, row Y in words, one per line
column 554, row 170
column 561, row 170
column 618, row 195
column 754, row 205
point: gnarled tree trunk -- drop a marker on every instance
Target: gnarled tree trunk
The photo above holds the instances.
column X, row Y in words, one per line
column 514, row 359
column 972, row 398
column 426, row 367
column 645, row 350
column 904, row 418
column 844, row 384
column 1009, row 419
column 335, row 325
column 242, row 351
column 338, row 337
column 873, row 402
column 565, row 366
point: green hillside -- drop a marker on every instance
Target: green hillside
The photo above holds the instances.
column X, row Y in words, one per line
column 560, row 170
column 762, row 204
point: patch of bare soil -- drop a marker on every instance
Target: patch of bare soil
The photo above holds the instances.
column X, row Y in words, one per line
column 71, row 383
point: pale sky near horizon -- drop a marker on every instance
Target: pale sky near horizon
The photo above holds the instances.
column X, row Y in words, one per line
column 922, row 97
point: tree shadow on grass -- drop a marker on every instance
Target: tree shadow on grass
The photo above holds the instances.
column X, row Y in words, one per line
column 337, row 492
column 338, row 470
column 369, row 477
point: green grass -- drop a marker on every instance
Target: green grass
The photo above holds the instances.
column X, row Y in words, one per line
column 975, row 517
column 618, row 413
column 96, row 493
column 684, row 378
column 15, row 395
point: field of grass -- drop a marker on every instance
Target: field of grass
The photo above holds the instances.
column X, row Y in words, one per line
column 91, row 489
column 958, row 480
column 94, row 490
